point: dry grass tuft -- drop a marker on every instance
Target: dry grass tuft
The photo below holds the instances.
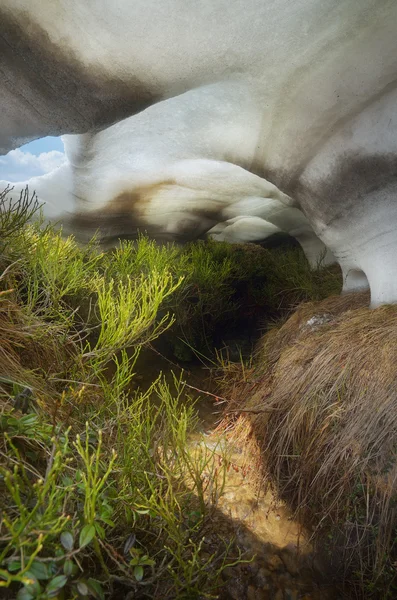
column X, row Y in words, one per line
column 323, row 409
column 32, row 351
column 325, row 311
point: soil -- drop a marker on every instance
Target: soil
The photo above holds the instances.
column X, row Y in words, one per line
column 281, row 563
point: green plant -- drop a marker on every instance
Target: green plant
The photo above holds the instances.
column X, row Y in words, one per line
column 99, row 486
column 102, row 491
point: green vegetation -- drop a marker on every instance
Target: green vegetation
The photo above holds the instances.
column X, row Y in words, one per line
column 100, row 493
column 232, row 293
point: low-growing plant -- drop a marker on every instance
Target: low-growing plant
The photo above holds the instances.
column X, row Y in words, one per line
column 100, row 492
column 133, row 496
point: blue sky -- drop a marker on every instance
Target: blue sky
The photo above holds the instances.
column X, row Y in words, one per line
column 30, row 160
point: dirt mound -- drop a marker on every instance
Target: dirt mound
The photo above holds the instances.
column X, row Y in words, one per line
column 322, row 410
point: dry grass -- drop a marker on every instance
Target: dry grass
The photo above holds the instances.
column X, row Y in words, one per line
column 324, row 414
column 31, row 350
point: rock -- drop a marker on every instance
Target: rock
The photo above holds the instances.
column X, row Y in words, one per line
column 318, row 320
column 291, row 594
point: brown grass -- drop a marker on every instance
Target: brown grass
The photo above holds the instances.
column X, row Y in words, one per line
column 32, row 352
column 324, row 414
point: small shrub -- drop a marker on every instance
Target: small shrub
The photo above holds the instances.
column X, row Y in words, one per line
column 99, row 492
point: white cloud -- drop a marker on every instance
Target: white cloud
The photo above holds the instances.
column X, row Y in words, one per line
column 20, row 166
